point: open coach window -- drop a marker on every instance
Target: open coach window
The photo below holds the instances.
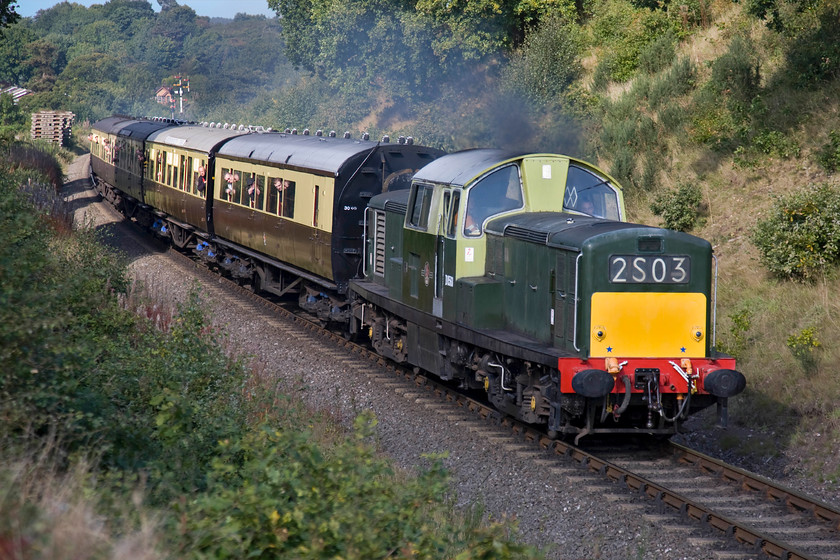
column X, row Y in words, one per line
column 590, row 194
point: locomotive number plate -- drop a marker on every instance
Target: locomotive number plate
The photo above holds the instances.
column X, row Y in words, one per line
column 635, row 269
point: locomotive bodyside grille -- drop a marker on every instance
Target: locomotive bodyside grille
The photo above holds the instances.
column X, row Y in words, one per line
column 527, row 234
column 397, row 207
column 379, row 244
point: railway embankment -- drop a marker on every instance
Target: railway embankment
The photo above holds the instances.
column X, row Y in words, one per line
column 562, row 508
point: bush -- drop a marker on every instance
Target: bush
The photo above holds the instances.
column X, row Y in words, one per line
column 672, row 117
column 801, row 236
column 678, row 81
column 814, row 55
column 829, row 155
column 659, row 54
column 623, row 165
column 775, row 143
column 547, row 63
column 739, row 337
column 735, row 75
column 279, row 495
column 171, row 418
column 679, row 209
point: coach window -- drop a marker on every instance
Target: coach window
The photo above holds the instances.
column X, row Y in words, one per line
column 258, row 202
column 170, row 158
column 176, row 171
column 590, row 194
column 315, row 213
column 275, row 195
column 498, row 192
column 419, row 204
column 188, row 173
column 289, row 199
column 254, row 191
column 184, row 172
column 160, row 167
column 231, row 185
column 199, row 177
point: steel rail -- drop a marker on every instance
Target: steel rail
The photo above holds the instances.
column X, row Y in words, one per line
column 665, row 498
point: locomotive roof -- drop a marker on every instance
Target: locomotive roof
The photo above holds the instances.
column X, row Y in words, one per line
column 317, row 153
column 193, row 137
column 460, row 168
column 557, row 229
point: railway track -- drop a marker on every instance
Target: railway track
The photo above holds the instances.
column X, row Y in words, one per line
column 735, row 513
column 740, row 514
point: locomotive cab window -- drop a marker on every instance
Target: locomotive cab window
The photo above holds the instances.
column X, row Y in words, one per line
column 498, row 192
column 420, row 203
column 452, row 222
column 590, row 194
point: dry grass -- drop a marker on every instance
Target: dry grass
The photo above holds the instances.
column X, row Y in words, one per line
column 44, row 514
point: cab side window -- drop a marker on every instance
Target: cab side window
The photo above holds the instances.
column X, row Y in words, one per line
column 452, row 225
column 419, row 205
column 590, row 194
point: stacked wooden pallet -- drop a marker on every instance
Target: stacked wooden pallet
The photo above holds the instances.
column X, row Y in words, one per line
column 53, row 126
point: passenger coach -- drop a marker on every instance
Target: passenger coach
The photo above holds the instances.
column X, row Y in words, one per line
column 281, row 210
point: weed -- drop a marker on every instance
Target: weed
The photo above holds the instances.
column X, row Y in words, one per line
column 803, row 346
column 739, row 333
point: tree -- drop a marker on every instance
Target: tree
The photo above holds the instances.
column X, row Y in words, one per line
column 13, row 54
column 12, row 119
column 547, row 63
column 8, row 16
column 43, row 63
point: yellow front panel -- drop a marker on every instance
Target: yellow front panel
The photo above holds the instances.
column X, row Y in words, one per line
column 648, row 325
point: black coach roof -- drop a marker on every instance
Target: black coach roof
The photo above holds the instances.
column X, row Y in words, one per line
column 112, row 125
column 318, row 153
column 140, row 129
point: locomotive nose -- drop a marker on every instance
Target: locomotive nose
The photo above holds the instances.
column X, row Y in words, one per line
column 724, row 382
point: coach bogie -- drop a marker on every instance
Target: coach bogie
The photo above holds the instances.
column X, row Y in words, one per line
column 322, row 304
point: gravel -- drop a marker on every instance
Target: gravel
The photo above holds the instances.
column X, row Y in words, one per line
column 557, row 505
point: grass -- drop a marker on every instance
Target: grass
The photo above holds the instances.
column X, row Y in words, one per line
column 792, row 391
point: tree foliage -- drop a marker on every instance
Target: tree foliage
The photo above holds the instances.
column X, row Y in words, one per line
column 8, row 15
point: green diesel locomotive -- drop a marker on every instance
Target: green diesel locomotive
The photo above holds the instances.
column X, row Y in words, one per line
column 515, row 273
